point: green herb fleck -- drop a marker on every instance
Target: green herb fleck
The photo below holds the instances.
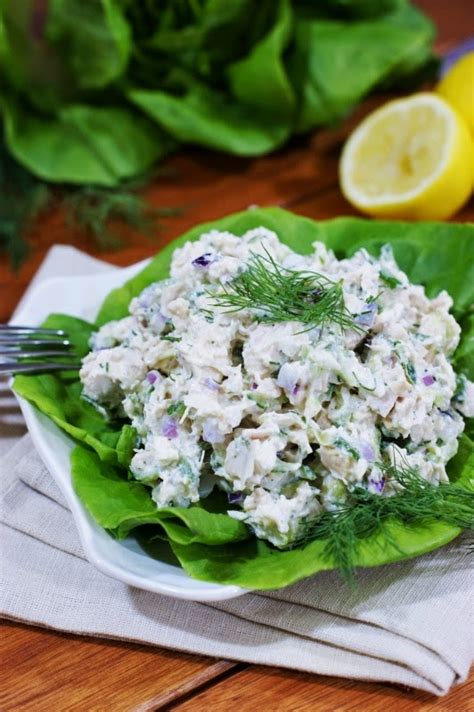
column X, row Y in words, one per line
column 410, row 372
column 178, row 408
column 187, row 471
column 330, row 392
column 344, row 445
column 389, row 280
column 208, row 315
column 373, row 298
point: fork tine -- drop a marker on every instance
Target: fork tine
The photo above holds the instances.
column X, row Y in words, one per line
column 22, row 341
column 14, row 329
column 10, row 368
column 12, row 356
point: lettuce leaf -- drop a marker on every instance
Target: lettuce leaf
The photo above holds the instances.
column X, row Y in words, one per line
column 209, row 544
column 83, row 144
column 260, row 78
column 205, row 116
column 94, row 39
column 239, row 77
column 119, row 505
column 370, row 51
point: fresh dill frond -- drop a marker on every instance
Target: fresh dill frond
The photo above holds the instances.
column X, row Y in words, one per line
column 277, row 294
column 22, row 198
column 364, row 514
column 93, row 209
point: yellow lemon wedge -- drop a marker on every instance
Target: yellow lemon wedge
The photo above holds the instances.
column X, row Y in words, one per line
column 412, row 159
column 457, row 87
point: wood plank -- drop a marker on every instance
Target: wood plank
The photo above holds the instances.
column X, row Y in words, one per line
column 454, row 20
column 219, row 672
column 44, row 671
column 330, row 203
column 286, row 691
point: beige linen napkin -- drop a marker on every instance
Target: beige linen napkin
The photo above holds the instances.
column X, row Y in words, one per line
column 409, row 623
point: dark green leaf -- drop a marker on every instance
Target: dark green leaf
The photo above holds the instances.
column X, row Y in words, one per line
column 206, row 117
column 336, row 63
column 239, row 77
column 260, row 78
column 83, row 144
column 94, row 39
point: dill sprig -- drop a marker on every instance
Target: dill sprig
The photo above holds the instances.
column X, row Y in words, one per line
column 364, row 514
column 22, row 197
column 278, row 294
column 93, row 209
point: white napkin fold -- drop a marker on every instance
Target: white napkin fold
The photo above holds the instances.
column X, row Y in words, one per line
column 409, row 623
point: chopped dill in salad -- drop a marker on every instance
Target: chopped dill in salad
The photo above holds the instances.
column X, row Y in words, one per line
column 300, row 385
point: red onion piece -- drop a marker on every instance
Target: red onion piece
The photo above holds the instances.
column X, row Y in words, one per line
column 152, row 377
column 235, row 497
column 455, row 54
column 204, row 260
column 288, row 378
column 377, row 485
column 169, row 428
column 367, row 317
column 211, row 384
column 367, row 452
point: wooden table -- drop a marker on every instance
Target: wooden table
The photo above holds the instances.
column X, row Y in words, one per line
column 45, row 670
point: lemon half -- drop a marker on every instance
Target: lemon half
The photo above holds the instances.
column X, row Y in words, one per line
column 411, row 159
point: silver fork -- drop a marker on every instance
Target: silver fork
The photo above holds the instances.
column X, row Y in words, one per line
column 51, row 348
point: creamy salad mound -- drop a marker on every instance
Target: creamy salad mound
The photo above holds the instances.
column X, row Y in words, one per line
column 285, row 418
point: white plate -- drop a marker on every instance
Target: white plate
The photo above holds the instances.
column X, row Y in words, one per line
column 123, row 560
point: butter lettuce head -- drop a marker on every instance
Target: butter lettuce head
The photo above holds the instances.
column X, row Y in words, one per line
column 206, row 542
column 96, row 92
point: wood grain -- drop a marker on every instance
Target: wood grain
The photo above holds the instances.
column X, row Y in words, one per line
column 322, row 206
column 52, row 672
column 286, row 691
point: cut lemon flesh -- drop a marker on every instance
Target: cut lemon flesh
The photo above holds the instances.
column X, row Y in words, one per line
column 413, row 158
